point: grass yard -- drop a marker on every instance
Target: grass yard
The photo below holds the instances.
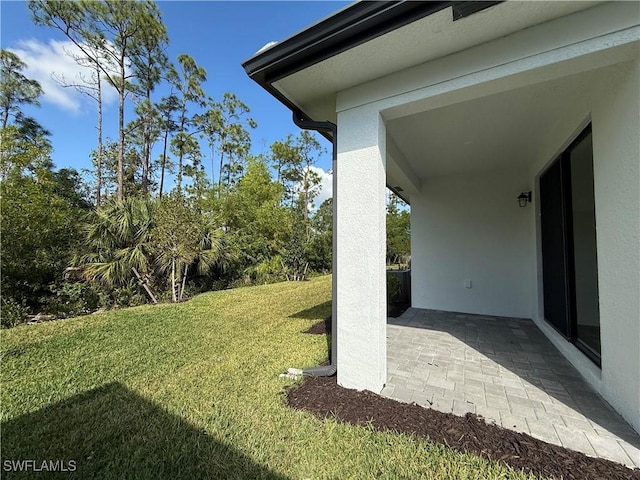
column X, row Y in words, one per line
column 192, row 391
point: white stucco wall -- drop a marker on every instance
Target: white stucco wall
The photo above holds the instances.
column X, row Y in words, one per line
column 361, row 300
column 470, row 227
column 616, row 145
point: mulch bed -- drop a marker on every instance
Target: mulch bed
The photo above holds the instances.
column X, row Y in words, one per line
column 322, row 397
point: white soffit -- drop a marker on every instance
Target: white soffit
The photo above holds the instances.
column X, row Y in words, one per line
column 500, row 131
column 313, row 89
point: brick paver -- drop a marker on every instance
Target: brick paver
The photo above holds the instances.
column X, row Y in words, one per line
column 506, row 370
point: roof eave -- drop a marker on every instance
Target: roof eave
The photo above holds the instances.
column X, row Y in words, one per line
column 342, row 31
column 353, row 25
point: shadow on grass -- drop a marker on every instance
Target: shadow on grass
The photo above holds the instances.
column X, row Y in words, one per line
column 323, row 327
column 322, row 310
column 318, row 311
column 111, row 432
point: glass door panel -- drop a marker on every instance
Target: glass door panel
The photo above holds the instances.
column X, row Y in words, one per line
column 585, row 260
column 554, row 261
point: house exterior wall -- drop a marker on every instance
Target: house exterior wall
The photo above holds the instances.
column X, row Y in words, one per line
column 616, row 144
column 469, row 227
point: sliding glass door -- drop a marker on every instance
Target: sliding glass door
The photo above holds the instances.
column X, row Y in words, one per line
column 569, row 254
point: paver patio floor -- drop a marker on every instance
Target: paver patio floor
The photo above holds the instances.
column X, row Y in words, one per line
column 506, row 370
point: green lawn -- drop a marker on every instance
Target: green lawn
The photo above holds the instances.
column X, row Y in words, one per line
column 192, row 391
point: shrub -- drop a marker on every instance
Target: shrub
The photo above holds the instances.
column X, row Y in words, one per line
column 129, row 295
column 12, row 312
column 270, row 270
column 72, row 299
column 394, row 288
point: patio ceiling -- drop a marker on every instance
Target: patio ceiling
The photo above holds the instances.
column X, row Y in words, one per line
column 496, row 132
column 488, row 133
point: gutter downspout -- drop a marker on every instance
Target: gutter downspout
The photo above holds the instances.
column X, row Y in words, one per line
column 332, row 368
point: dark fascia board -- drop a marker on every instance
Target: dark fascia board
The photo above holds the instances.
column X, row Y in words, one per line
column 464, row 9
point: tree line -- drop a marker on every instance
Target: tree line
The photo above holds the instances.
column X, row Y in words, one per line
column 149, row 225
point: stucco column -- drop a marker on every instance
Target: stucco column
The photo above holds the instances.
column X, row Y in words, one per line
column 360, row 274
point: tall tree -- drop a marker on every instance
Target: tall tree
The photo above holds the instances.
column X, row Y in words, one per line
column 90, row 85
column 187, row 81
column 167, row 108
column 141, row 134
column 149, row 62
column 293, row 160
column 25, row 145
column 111, row 27
column 309, row 186
column 15, row 89
column 287, row 161
column 131, row 169
column 225, row 124
column 283, row 153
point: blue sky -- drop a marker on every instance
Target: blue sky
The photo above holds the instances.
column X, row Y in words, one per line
column 218, row 35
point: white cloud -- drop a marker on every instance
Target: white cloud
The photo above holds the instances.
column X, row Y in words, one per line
column 326, row 186
column 48, row 61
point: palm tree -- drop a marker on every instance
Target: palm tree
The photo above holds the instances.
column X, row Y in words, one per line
column 118, row 243
column 144, row 238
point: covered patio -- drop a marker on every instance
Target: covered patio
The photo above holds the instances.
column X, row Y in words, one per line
column 507, row 371
column 464, row 114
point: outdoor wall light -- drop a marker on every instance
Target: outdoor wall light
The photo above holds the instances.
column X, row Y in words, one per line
column 524, row 198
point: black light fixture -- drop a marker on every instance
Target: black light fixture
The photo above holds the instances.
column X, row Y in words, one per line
column 524, row 198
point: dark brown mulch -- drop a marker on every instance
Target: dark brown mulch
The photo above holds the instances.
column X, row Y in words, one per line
column 324, row 398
